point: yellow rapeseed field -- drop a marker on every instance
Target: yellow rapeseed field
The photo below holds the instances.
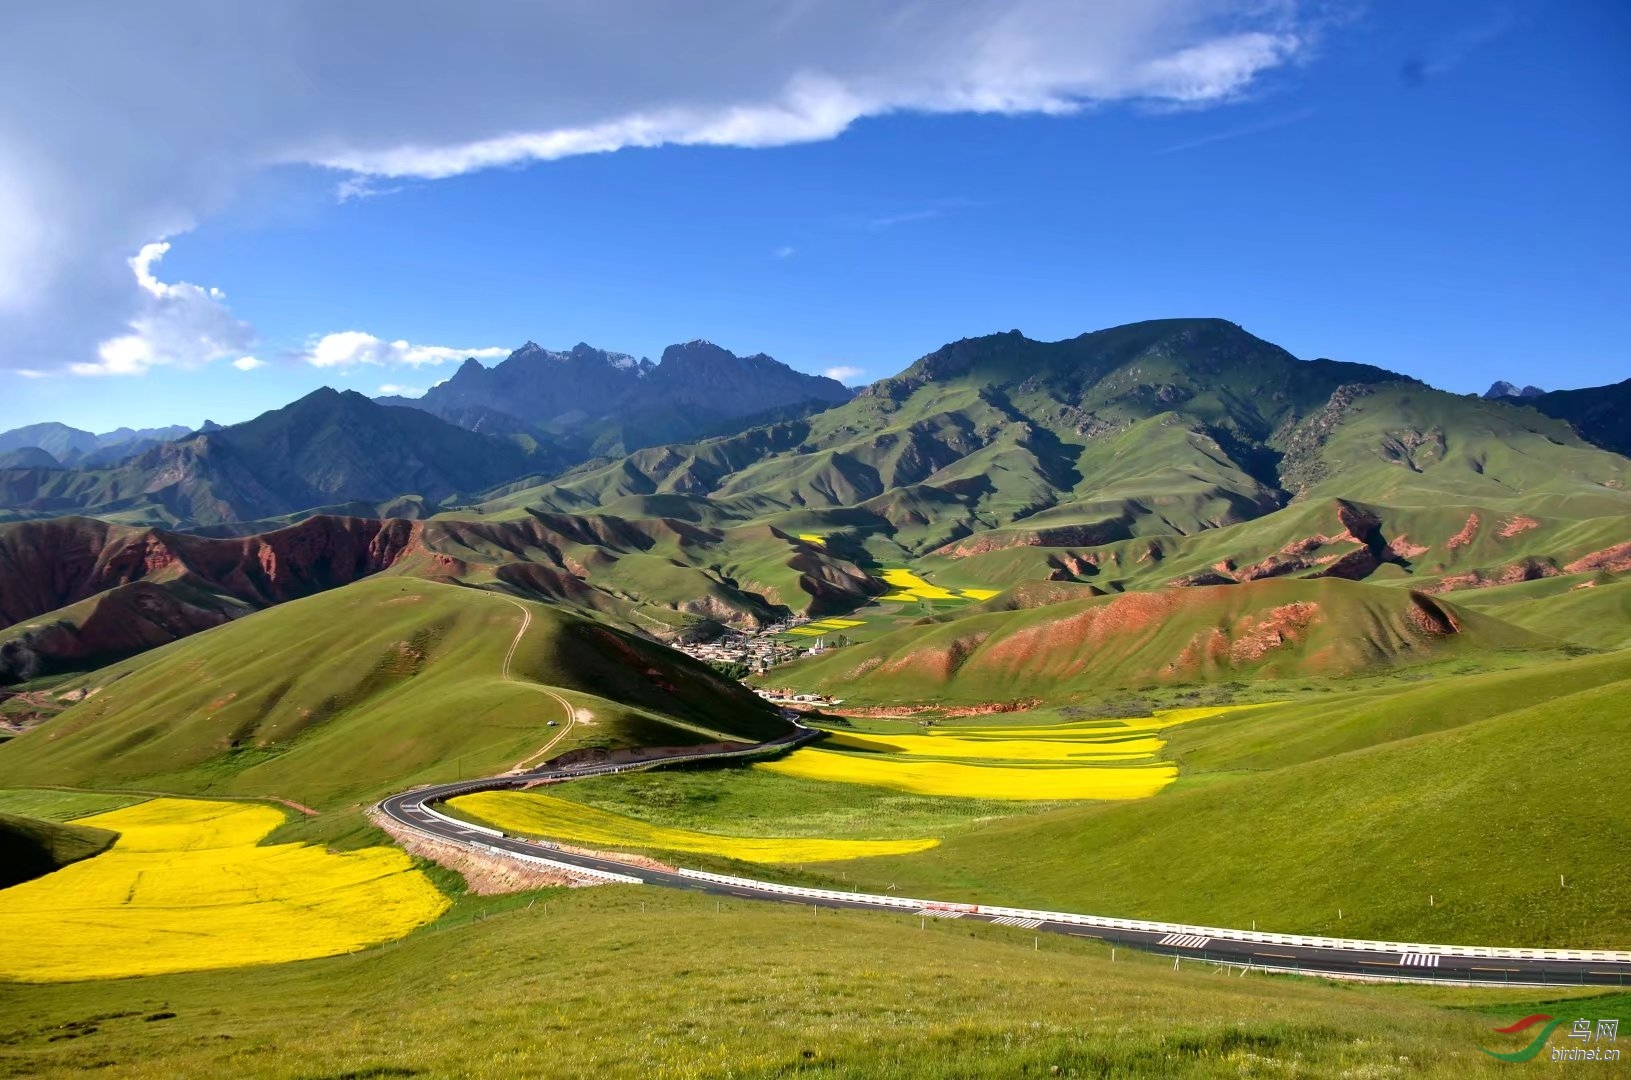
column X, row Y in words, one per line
column 186, row 888
column 977, row 781
column 1062, row 751
column 558, row 819
column 980, row 594
column 908, row 586
column 813, row 538
column 1159, row 721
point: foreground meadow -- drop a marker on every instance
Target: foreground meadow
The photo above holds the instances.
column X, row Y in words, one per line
column 632, row 981
column 188, row 886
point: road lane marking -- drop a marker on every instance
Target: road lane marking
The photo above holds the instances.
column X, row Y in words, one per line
column 1417, row 959
column 1279, row 955
column 1014, row 920
column 1185, row 941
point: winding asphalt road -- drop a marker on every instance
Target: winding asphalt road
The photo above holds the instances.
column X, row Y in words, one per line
column 409, row 810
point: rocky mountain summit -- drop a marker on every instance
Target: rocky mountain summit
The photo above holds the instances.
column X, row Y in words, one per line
column 611, row 402
column 1503, row 389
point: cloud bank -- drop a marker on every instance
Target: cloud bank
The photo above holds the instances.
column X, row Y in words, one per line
column 142, row 120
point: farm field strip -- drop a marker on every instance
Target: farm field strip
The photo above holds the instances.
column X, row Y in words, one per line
column 1091, row 759
column 187, row 887
column 559, row 819
column 1016, row 783
column 1063, row 751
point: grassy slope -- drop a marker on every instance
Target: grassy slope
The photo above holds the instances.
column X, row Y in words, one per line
column 30, row 848
column 612, row 982
column 1178, row 635
column 47, row 805
column 1592, row 610
column 368, row 689
column 1483, row 816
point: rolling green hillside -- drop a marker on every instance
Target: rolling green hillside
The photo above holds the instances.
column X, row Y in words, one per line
column 1266, row 629
column 30, row 848
column 373, row 687
column 1478, row 791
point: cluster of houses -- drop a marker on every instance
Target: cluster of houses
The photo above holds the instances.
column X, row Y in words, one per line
column 757, row 651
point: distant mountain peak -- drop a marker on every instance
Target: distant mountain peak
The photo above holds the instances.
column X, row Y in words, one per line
column 1503, row 389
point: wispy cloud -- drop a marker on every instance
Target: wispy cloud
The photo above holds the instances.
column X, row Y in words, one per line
column 392, row 389
column 937, row 208
column 1455, row 50
column 786, row 251
column 248, row 363
column 845, row 373
column 1257, row 128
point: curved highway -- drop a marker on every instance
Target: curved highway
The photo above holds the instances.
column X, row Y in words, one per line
column 1241, row 949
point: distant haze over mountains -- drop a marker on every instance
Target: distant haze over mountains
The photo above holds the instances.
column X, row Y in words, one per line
column 609, row 402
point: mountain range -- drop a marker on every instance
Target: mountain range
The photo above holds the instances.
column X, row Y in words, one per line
column 1177, row 453
column 599, row 402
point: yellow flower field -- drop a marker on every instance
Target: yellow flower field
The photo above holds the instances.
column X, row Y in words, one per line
column 186, row 888
column 908, row 586
column 1063, row 751
column 558, row 819
column 813, row 538
column 977, row 781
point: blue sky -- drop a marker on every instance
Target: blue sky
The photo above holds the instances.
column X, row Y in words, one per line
column 1440, row 193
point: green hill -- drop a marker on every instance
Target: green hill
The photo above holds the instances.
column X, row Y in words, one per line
column 1480, row 791
column 30, row 848
column 372, row 687
column 1266, row 629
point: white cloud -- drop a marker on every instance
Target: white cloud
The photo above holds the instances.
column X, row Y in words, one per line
column 350, row 348
column 248, row 363
column 397, row 390
column 844, row 373
column 143, row 121
column 182, row 324
column 786, row 251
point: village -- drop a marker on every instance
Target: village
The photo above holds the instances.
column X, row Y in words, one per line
column 746, row 653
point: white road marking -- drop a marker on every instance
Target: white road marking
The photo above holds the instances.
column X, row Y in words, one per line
column 941, row 913
column 1185, row 941
column 1014, row 920
column 1417, row 959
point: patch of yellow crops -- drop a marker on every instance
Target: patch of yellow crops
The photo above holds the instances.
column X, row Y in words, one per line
column 1160, row 721
column 186, row 888
column 909, row 586
column 558, row 819
column 839, row 624
column 980, row 594
column 977, row 781
column 804, row 631
column 1064, row 751
column 813, row 538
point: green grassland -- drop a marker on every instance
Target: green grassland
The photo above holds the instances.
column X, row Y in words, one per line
column 615, row 982
column 1477, row 792
column 744, row 801
column 30, row 848
column 1590, row 609
column 369, row 689
column 49, row 805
